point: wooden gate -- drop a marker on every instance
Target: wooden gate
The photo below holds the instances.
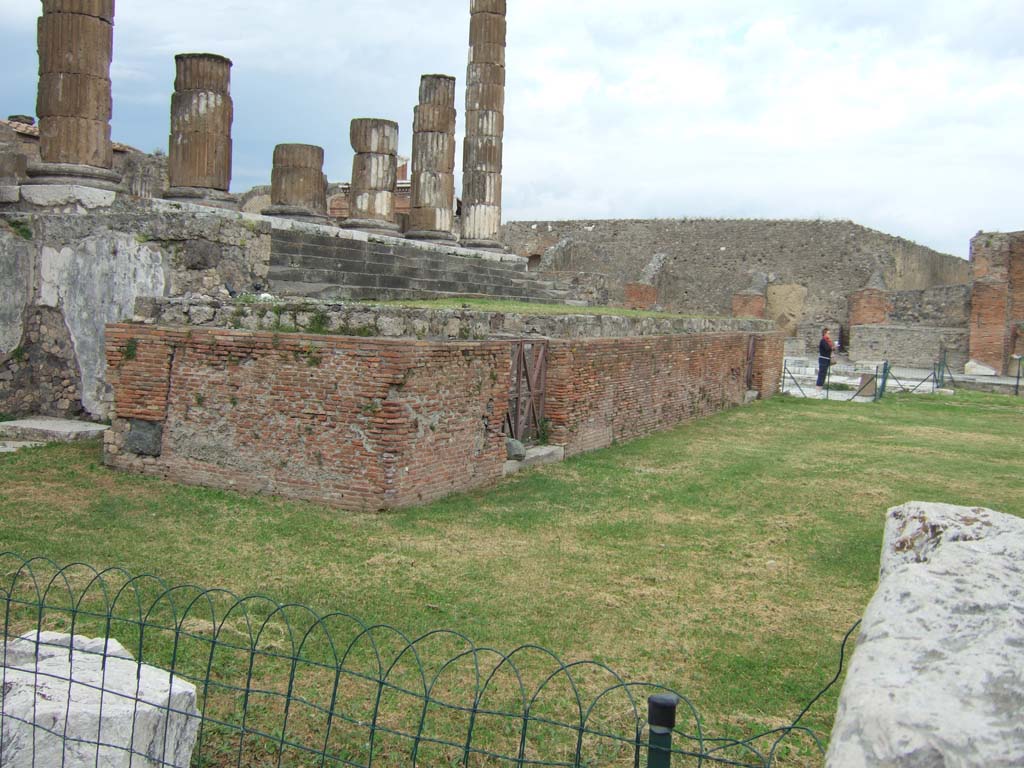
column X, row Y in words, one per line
column 525, row 418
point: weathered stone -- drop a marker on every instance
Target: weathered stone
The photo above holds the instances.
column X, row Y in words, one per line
column 974, row 368
column 76, row 44
column 77, row 702
column 374, row 175
column 936, row 678
column 199, row 154
column 515, row 450
column 433, row 163
column 485, row 103
column 144, row 438
column 298, row 184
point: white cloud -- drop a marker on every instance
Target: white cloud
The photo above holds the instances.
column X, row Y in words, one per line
column 902, row 116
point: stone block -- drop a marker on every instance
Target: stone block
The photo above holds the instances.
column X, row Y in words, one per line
column 78, row 702
column 936, row 677
column 144, row 438
column 76, row 44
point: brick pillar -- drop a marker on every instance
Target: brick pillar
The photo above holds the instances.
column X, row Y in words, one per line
column 298, row 187
column 199, row 149
column 640, row 296
column 749, row 304
column 868, row 306
column 76, row 44
column 374, row 169
column 431, row 216
column 997, row 298
column 485, row 125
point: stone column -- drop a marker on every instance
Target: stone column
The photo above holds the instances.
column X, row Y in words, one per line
column 199, row 150
column 433, row 161
column 374, row 175
column 485, row 125
column 298, row 187
column 76, row 43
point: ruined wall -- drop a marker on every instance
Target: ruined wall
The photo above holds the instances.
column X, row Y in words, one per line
column 40, row 376
column 420, row 323
column 704, row 262
column 997, row 300
column 89, row 254
column 910, row 345
column 363, row 424
column 602, row 391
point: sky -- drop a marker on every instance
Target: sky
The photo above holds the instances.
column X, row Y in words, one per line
column 902, row 116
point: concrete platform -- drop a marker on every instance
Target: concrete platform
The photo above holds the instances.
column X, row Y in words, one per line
column 535, row 457
column 43, row 429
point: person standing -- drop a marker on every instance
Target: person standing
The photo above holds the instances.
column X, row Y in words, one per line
column 825, row 348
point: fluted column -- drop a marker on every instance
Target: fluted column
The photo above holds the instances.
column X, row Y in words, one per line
column 199, row 149
column 485, row 125
column 374, row 175
column 431, row 216
column 76, row 44
column 298, row 187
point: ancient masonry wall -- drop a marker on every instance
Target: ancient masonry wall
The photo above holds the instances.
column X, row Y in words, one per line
column 997, row 299
column 698, row 265
column 915, row 328
column 363, row 424
column 608, row 390
column 369, row 423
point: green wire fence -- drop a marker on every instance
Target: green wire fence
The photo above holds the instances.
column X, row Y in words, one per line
column 280, row 685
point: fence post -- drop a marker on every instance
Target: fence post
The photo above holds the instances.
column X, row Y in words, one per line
column 661, row 719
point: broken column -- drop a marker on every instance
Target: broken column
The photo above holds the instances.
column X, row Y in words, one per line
column 199, row 151
column 374, row 175
column 298, row 187
column 433, row 161
column 76, row 44
column 485, row 125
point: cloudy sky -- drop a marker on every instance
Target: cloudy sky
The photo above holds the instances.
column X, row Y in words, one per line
column 904, row 116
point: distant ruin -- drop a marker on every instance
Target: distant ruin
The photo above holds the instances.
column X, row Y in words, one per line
column 114, row 265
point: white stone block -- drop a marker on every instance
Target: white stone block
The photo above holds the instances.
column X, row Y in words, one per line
column 937, row 678
column 974, row 368
column 64, row 696
column 63, row 195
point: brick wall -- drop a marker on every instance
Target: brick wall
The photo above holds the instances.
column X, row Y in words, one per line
column 997, row 299
column 640, row 296
column 990, row 338
column 869, row 306
column 605, row 390
column 749, row 305
column 364, row 424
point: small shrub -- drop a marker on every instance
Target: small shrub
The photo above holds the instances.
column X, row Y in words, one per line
column 131, row 348
column 20, row 228
column 319, row 322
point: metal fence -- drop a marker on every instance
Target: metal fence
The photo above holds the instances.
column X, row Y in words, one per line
column 280, row 685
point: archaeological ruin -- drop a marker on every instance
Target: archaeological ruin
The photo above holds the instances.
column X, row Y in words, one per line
column 142, row 289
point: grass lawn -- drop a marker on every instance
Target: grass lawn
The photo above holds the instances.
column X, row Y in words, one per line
column 725, row 559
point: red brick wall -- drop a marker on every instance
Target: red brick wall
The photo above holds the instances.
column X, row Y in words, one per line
column 990, row 332
column 749, row 305
column 869, row 306
column 640, row 296
column 361, row 423
column 769, row 355
column 605, row 390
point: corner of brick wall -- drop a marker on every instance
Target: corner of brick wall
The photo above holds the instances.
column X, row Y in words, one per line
column 990, row 331
column 869, row 306
column 359, row 423
column 769, row 357
column 749, row 305
column 640, row 296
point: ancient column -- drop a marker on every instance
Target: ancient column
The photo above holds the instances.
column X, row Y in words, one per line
column 485, row 125
column 298, row 187
column 433, row 161
column 199, row 151
column 374, row 170
column 76, row 43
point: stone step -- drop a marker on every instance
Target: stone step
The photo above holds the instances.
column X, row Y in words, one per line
column 45, row 429
column 10, row 446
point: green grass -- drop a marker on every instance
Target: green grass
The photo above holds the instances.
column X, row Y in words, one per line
column 725, row 558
